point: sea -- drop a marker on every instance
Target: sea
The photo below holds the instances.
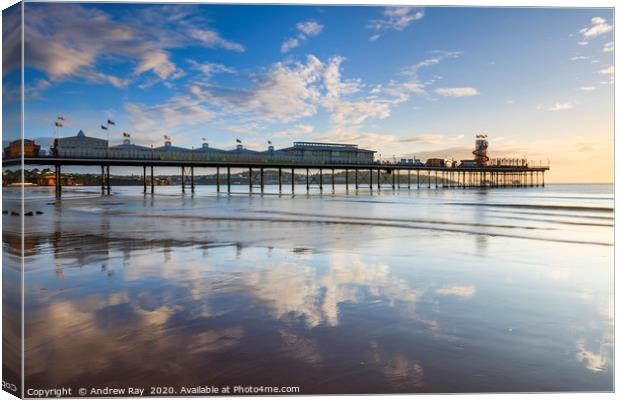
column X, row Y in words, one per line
column 386, row 291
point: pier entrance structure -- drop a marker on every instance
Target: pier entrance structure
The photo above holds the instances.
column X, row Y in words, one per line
column 315, row 165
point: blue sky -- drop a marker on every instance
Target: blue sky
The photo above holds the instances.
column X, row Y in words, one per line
column 398, row 80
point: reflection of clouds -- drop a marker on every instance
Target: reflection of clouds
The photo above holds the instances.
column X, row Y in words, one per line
column 595, row 361
column 287, row 288
column 291, row 289
column 600, row 359
column 460, row 291
column 216, row 340
column 606, row 308
column 401, row 368
column 59, row 334
column 300, row 347
column 397, row 368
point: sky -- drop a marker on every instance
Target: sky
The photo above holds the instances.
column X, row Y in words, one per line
column 404, row 81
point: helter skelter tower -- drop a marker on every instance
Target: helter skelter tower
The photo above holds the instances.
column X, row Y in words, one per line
column 480, row 151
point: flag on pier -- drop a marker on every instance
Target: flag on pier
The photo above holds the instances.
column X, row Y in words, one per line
column 110, row 122
column 269, row 142
column 105, row 128
column 127, row 135
column 166, row 137
column 238, row 140
column 204, row 139
column 58, row 124
column 61, row 118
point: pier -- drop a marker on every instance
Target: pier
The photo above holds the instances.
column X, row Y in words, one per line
column 321, row 176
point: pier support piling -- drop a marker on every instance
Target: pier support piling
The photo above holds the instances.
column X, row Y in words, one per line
column 58, row 181
column 152, row 181
column 280, row 180
column 108, row 189
column 228, row 179
column 191, row 171
column 250, row 179
column 182, row 179
column 103, row 180
column 143, row 179
column 293, row 180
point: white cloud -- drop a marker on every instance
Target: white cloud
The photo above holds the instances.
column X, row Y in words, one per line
column 297, row 131
column 210, row 38
column 414, row 87
column 210, row 69
column 347, row 112
column 608, row 48
column 86, row 38
column 607, row 71
column 397, row 18
column 576, row 58
column 159, row 62
column 457, row 91
column 286, row 92
column 582, row 43
column 306, row 29
column 561, row 106
column 50, row 33
column 423, row 139
column 181, row 112
column 588, row 88
column 598, row 27
column 289, row 44
column 439, row 56
column 374, row 37
column 33, row 90
column 310, row 28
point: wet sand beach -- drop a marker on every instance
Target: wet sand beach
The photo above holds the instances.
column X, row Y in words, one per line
column 376, row 292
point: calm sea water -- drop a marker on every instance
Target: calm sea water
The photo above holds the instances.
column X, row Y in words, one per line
column 429, row 290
